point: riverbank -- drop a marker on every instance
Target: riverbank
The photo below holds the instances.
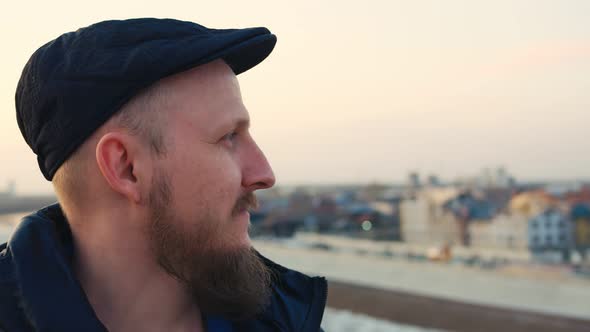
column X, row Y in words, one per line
column 564, row 297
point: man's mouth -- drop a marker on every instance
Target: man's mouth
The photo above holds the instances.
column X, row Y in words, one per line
column 245, row 203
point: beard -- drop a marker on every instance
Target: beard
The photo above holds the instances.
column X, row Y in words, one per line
column 223, row 279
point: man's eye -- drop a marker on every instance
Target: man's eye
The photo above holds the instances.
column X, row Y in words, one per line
column 230, row 137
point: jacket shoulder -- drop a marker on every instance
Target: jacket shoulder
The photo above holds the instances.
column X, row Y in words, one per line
column 301, row 297
column 12, row 317
column 297, row 303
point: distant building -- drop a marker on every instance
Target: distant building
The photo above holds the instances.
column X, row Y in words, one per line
column 324, row 214
column 561, row 189
column 503, row 232
column 300, row 204
column 467, row 205
column 580, row 215
column 485, row 178
column 466, row 208
column 579, row 196
column 433, row 181
column 414, row 180
column 345, row 197
column 372, row 192
column 499, row 198
column 423, row 219
column 502, row 179
column 10, row 190
column 414, row 184
column 531, row 203
column 551, row 230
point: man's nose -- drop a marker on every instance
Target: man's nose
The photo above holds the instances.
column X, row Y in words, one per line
column 257, row 173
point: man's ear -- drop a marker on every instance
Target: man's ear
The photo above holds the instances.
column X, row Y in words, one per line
column 116, row 156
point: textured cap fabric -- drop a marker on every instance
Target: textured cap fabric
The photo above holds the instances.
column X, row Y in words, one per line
column 75, row 83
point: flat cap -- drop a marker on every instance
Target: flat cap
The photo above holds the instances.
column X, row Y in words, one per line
column 75, row 83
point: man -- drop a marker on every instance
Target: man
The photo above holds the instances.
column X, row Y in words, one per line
column 140, row 126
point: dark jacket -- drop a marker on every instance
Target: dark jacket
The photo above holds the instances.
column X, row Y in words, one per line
column 39, row 292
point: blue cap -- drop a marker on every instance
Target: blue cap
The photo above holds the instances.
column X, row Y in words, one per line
column 75, row 83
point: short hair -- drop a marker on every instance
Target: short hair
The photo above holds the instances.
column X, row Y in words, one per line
column 141, row 116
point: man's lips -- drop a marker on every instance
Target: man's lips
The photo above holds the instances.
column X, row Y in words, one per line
column 245, row 203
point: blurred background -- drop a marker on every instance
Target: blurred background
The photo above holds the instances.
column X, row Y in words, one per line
column 432, row 157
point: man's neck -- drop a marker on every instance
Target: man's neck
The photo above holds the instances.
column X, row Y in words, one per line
column 126, row 288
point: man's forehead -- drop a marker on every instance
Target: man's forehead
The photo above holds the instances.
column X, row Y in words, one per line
column 208, row 75
column 209, row 94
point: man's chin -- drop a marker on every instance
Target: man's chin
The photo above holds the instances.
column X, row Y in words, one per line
column 236, row 283
column 241, row 226
column 242, row 219
column 239, row 242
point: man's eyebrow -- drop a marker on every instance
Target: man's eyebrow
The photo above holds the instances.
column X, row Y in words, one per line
column 242, row 122
column 234, row 123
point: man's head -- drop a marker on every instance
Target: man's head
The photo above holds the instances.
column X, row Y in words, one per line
column 178, row 154
column 201, row 189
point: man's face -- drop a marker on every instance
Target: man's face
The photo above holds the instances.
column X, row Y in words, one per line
column 202, row 190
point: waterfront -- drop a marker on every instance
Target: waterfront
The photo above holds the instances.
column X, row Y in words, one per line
column 7, row 224
column 567, row 297
column 347, row 321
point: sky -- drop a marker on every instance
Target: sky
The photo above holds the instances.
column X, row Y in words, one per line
column 367, row 91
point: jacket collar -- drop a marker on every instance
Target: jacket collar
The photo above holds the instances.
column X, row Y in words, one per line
column 53, row 300
column 50, row 295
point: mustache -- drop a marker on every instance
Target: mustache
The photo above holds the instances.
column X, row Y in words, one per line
column 246, row 202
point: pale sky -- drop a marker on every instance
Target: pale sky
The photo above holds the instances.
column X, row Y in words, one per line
column 360, row 91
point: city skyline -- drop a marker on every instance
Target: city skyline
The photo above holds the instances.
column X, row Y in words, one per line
column 360, row 93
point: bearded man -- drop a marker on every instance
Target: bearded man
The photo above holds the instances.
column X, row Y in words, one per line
column 141, row 128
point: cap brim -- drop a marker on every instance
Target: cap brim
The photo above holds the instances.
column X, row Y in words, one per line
column 248, row 54
column 240, row 49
